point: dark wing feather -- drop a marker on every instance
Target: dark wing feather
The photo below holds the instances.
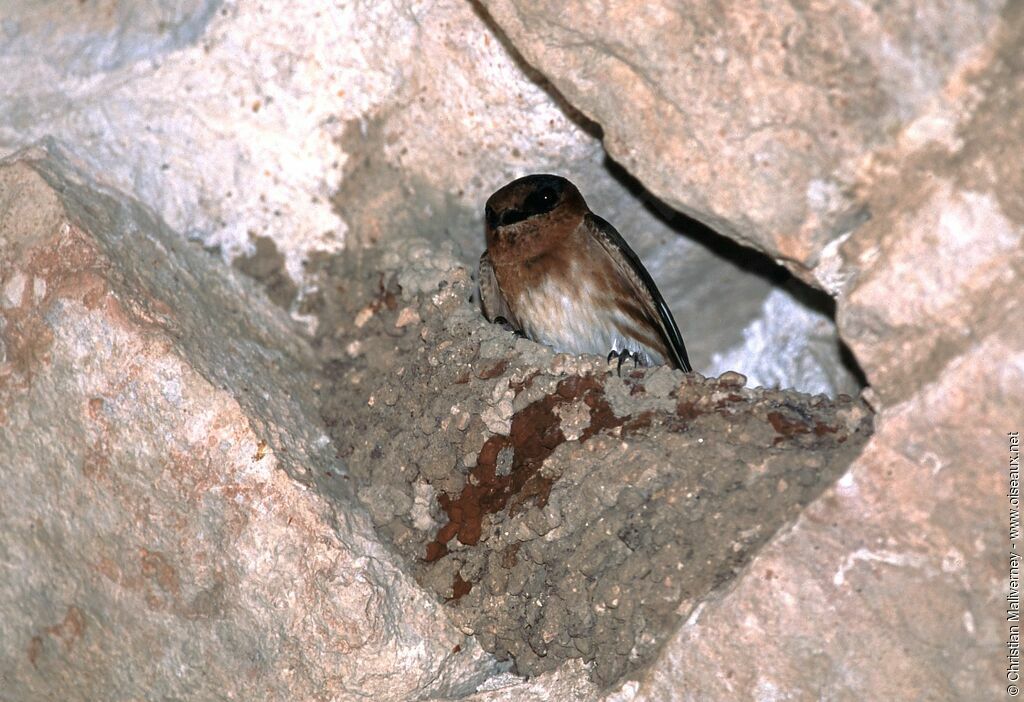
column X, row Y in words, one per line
column 491, row 300
column 646, row 291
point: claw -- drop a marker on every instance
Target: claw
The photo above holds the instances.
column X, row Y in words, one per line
column 621, row 356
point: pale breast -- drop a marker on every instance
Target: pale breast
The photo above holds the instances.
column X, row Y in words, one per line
column 572, row 315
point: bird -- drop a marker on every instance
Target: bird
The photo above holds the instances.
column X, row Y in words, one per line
column 556, row 273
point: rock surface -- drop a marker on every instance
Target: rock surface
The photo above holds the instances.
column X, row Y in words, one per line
column 167, row 530
column 754, row 118
column 278, row 152
column 178, row 522
column 892, row 585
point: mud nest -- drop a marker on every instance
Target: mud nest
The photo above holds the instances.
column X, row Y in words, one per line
column 561, row 511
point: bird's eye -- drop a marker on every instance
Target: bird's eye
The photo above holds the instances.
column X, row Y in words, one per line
column 543, row 200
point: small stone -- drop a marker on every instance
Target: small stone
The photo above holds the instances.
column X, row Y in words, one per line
column 363, row 316
column 732, row 378
column 407, row 316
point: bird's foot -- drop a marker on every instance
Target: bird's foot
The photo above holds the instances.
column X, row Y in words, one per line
column 622, row 357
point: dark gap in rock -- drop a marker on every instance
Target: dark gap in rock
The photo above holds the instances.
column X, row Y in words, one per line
column 850, row 362
column 743, row 257
column 820, row 300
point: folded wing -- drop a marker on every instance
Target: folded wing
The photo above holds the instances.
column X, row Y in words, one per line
column 491, row 299
column 633, row 271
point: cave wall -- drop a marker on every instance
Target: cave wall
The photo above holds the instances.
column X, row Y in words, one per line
column 181, row 516
column 247, row 125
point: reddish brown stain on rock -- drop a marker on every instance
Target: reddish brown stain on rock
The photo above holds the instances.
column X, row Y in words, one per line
column 95, row 407
column 525, row 383
column 71, row 268
column 788, row 427
column 820, row 429
column 638, row 423
column 534, row 435
column 436, row 550
column 460, row 587
column 687, row 410
column 159, row 571
column 28, row 339
column 67, row 632
column 785, row 427
column 494, row 371
column 96, row 463
column 71, row 629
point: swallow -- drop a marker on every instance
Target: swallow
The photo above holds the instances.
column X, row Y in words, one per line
column 562, row 276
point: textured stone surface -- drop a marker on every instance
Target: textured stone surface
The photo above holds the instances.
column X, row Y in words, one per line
column 130, row 31
column 165, row 511
column 242, row 121
column 947, row 235
column 241, row 139
column 166, row 562
column 892, row 585
column 751, row 117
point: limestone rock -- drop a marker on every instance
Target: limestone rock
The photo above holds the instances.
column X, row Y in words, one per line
column 179, row 522
column 370, row 121
column 130, row 32
column 753, row 118
column 892, row 585
column 203, row 110
column 947, row 235
column 164, row 504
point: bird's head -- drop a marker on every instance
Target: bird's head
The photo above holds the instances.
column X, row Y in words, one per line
column 531, row 213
